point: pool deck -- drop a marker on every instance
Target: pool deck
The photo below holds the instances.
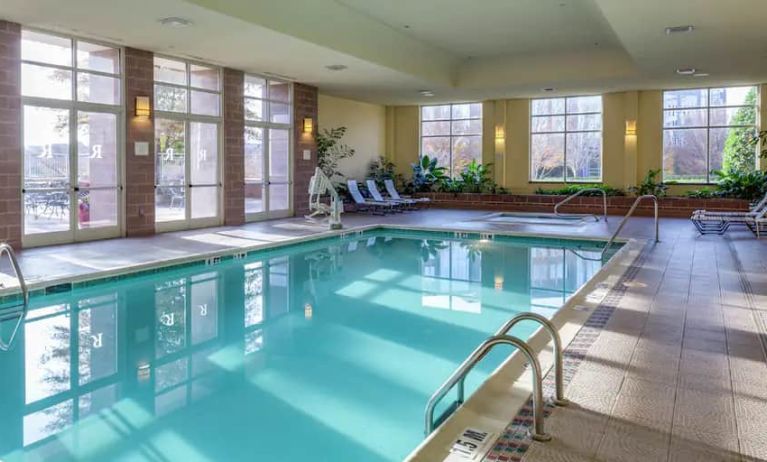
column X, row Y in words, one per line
column 678, row 372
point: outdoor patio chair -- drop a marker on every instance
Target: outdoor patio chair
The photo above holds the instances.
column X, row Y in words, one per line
column 366, row 205
column 391, row 189
column 716, row 222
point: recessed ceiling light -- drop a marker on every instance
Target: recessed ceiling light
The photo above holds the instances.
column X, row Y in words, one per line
column 428, row 93
column 686, row 71
column 406, row 26
column 548, row 89
column 701, row 74
column 174, row 21
column 336, row 67
column 679, row 29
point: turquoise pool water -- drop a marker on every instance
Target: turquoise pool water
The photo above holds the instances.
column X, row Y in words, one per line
column 326, row 351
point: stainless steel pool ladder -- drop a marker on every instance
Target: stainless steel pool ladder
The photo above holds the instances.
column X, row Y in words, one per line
column 578, row 193
column 18, row 312
column 623, row 223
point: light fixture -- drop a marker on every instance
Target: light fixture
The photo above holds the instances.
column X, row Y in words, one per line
column 499, row 133
column 498, row 283
column 679, row 29
column 686, row 71
column 308, row 311
column 631, row 127
column 143, row 108
column 427, row 93
column 308, row 125
column 548, row 89
column 174, row 21
column 336, row 67
column 701, row 74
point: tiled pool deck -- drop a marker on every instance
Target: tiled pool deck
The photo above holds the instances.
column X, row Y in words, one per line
column 671, row 366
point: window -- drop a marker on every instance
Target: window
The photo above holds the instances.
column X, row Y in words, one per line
column 566, row 139
column 706, row 130
column 268, row 117
column 453, row 134
column 187, row 100
column 72, row 104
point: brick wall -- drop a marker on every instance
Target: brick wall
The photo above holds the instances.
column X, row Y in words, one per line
column 10, row 133
column 305, row 102
column 234, row 149
column 139, row 170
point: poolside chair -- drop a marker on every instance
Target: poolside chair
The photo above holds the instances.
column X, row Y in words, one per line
column 399, row 204
column 715, row 222
column 366, row 205
column 391, row 189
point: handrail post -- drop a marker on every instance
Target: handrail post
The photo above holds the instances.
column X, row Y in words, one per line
column 538, row 433
column 628, row 215
column 8, row 250
column 559, row 398
column 578, row 193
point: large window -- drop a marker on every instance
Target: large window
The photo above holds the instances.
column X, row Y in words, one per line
column 268, row 117
column 187, row 99
column 566, row 139
column 453, row 134
column 71, row 92
column 706, row 130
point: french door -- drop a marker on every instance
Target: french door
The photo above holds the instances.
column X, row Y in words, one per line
column 268, row 191
column 71, row 186
column 187, row 174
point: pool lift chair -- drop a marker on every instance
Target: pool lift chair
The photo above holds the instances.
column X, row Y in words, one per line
column 319, row 186
column 16, row 311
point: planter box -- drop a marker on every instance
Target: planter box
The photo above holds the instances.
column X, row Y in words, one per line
column 619, row 205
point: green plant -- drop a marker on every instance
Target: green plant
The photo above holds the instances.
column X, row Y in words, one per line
column 330, row 150
column 761, row 137
column 574, row 188
column 742, row 185
column 381, row 169
column 703, row 193
column 475, row 178
column 650, row 185
column 426, row 175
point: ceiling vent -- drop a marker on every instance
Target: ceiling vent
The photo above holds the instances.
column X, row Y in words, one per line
column 686, row 71
column 336, row 67
column 679, row 29
column 174, row 21
column 427, row 93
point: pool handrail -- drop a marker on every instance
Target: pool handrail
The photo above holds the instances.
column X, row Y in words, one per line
column 578, row 193
column 20, row 314
column 538, row 433
column 628, row 215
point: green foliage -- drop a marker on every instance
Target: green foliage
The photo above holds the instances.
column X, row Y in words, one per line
column 330, row 150
column 739, row 153
column 574, row 188
column 703, row 193
column 650, row 185
column 475, row 178
column 761, row 137
column 382, row 169
column 426, row 175
column 742, row 185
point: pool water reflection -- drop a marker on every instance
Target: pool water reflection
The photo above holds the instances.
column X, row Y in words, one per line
column 328, row 352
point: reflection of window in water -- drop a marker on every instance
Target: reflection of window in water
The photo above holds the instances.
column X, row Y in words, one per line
column 254, row 294
column 555, row 274
column 259, row 297
column 204, row 307
column 452, row 276
column 49, row 351
column 254, row 341
column 170, row 305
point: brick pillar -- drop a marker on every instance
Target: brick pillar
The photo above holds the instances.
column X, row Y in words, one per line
column 305, row 105
column 139, row 170
column 10, row 133
column 234, row 148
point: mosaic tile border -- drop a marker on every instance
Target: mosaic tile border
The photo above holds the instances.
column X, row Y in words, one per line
column 515, row 440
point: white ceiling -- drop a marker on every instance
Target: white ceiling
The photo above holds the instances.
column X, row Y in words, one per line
column 460, row 49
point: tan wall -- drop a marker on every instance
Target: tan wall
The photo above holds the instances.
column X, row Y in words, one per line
column 366, row 131
column 625, row 159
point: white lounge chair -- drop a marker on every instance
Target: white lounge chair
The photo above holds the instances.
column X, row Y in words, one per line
column 391, row 189
column 399, row 203
column 366, row 205
column 716, row 222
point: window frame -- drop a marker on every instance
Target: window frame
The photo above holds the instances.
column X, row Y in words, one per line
column 565, row 132
column 450, row 136
column 708, row 126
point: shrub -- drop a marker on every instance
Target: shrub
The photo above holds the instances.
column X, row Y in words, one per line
column 574, row 188
column 650, row 185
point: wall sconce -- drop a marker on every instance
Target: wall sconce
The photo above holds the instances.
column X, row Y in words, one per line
column 631, row 127
column 308, row 125
column 142, row 106
column 499, row 133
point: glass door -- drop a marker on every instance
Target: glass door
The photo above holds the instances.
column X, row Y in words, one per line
column 186, row 172
column 71, row 92
column 268, row 140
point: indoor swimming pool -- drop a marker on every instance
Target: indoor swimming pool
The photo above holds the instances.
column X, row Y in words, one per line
column 323, row 351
